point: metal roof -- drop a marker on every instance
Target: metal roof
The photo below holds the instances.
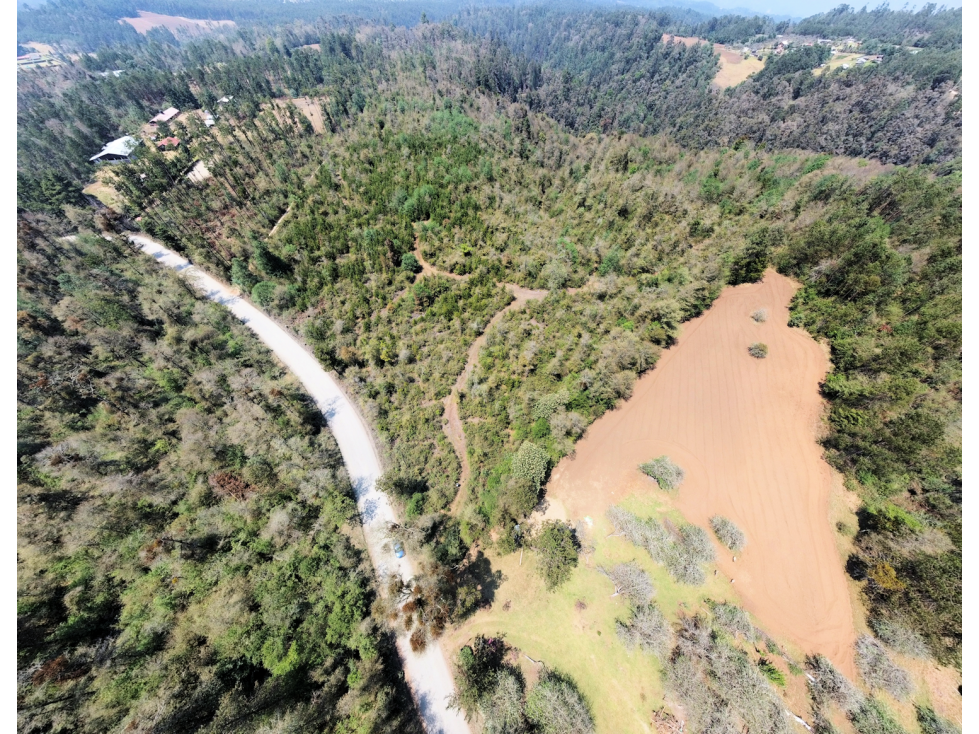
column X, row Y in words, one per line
column 121, row 146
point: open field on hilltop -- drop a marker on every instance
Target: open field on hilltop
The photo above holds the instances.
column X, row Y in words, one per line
column 734, row 67
column 836, row 61
column 744, row 430
column 147, row 21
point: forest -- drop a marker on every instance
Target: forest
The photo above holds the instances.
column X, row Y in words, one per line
column 188, row 554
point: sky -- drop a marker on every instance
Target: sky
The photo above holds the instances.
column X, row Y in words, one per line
column 805, row 8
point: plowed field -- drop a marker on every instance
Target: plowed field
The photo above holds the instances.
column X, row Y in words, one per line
column 745, row 430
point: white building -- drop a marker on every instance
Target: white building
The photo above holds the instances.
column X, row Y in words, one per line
column 120, row 149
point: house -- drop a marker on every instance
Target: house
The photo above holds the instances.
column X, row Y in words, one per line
column 225, row 100
column 861, row 61
column 114, row 72
column 845, row 66
column 168, row 114
column 120, row 149
column 31, row 57
column 208, row 118
column 167, row 142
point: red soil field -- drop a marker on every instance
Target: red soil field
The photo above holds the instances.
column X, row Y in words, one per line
column 745, row 430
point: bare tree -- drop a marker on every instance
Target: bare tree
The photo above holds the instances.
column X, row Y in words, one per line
column 629, row 580
column 647, row 629
column 879, row 671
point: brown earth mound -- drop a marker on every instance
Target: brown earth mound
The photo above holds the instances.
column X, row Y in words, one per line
column 745, row 431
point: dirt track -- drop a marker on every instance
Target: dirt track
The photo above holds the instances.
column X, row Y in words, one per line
column 745, row 432
column 453, row 424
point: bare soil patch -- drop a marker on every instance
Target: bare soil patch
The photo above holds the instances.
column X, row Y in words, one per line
column 744, row 430
column 734, row 67
column 175, row 23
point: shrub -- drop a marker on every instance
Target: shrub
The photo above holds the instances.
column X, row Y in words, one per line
column 697, row 543
column 758, row 350
column 732, row 619
column 630, row 580
column 531, row 463
column 899, row 638
column 263, row 293
column 771, row 672
column 761, row 315
column 647, row 629
column 873, row 718
column 667, row 474
column 727, row 532
column 557, row 552
column 556, row 707
column 503, row 710
column 410, row 264
column 879, row 671
column 682, row 558
column 546, row 406
column 931, row 723
column 827, row 684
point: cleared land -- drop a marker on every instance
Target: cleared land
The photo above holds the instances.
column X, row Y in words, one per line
column 745, row 432
column 734, row 67
column 836, row 61
column 175, row 23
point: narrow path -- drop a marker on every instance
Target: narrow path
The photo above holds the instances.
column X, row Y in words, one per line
column 427, row 673
column 452, row 425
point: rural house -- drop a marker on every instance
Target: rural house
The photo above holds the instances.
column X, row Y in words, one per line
column 168, row 114
column 120, row 149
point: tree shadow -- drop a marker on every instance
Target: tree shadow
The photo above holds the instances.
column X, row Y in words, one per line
column 479, row 573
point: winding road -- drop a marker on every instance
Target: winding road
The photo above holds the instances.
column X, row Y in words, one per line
column 428, row 672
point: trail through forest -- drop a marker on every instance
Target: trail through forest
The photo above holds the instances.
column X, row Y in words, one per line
column 452, row 424
column 428, row 672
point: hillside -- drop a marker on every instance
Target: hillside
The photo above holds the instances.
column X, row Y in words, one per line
column 492, row 229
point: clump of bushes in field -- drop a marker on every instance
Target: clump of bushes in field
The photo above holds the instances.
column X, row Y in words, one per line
column 728, row 533
column 630, row 581
column 732, row 619
column 758, row 350
column 761, row 315
column 683, row 551
column 491, row 688
column 718, row 685
column 667, row 474
column 827, row 686
column 899, row 638
column 646, row 629
column 932, row 723
column 879, row 671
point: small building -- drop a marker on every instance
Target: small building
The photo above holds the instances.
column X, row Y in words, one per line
column 225, row 100
column 168, row 114
column 168, row 142
column 120, row 149
column 208, row 118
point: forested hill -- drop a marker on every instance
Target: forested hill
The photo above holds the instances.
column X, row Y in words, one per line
column 605, row 70
column 181, row 562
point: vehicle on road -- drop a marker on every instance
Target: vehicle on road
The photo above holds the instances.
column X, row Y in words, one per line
column 399, row 550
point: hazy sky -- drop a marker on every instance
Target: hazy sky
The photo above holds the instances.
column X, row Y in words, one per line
column 804, row 8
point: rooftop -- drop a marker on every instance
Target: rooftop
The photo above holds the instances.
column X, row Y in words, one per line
column 119, row 147
column 168, row 114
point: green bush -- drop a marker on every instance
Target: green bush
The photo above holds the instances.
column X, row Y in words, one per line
column 531, row 463
column 667, row 474
column 264, row 293
column 771, row 672
column 758, row 350
column 557, row 548
column 728, row 533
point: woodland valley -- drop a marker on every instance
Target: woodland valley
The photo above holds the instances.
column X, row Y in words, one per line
column 652, row 319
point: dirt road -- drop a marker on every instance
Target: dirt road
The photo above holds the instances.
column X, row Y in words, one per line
column 428, row 673
column 745, row 431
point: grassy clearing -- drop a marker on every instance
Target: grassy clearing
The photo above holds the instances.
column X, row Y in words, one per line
column 836, row 61
column 622, row 687
column 104, row 193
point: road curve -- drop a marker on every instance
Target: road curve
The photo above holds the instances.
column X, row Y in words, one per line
column 427, row 673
